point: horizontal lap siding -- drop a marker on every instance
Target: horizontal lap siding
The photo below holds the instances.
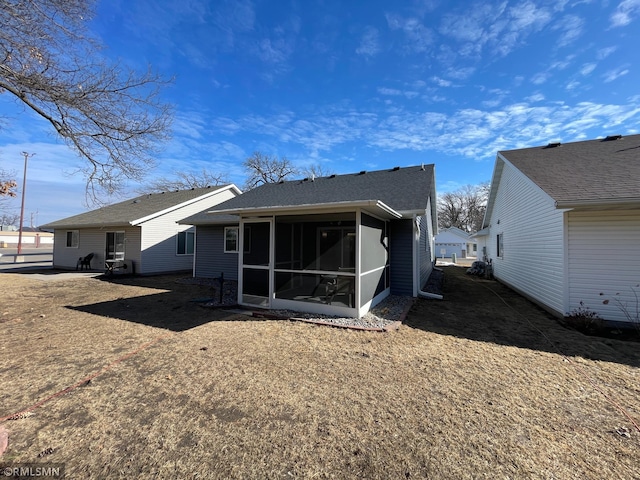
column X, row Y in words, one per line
column 89, row 241
column 604, row 257
column 93, row 240
column 533, row 231
column 401, row 256
column 210, row 257
column 426, row 245
column 159, row 236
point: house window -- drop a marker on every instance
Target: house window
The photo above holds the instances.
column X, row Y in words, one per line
column 115, row 246
column 500, row 245
column 73, row 238
column 231, row 239
column 185, row 243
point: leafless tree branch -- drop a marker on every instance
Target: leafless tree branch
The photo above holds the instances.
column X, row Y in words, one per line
column 111, row 116
column 184, row 181
column 263, row 169
column 463, row 208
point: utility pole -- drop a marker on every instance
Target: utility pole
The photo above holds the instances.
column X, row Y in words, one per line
column 24, row 189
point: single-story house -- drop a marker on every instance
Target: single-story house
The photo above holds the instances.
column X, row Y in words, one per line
column 562, row 224
column 454, row 240
column 141, row 234
column 335, row 245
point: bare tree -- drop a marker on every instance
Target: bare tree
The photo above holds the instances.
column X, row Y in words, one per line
column 7, row 218
column 463, row 208
column 109, row 115
column 184, row 181
column 316, row 170
column 263, row 169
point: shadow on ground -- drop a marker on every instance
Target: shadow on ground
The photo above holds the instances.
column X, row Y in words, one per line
column 176, row 306
column 487, row 311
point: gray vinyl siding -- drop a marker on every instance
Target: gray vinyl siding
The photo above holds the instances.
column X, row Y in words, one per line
column 426, row 248
column 401, row 256
column 533, row 239
column 604, row 257
column 210, row 257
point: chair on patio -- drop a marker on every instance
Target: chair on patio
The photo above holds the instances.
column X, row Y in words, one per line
column 84, row 262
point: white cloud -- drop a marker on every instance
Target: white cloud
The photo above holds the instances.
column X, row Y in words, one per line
column 536, row 97
column 605, row 52
column 500, row 27
column 571, row 27
column 625, row 13
column 587, row 68
column 540, row 78
column 572, row 85
column 417, row 37
column 441, row 82
column 614, row 74
column 472, row 132
column 369, row 43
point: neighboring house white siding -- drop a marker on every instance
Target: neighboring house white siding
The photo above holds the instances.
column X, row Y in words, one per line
column 93, row 240
column 426, row 246
column 533, row 239
column 604, row 257
column 159, row 237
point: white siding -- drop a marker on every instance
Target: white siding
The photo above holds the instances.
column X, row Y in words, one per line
column 93, row 240
column 425, row 248
column 159, row 237
column 533, row 239
column 604, row 257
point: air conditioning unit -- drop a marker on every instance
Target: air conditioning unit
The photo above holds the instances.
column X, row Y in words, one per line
column 124, row 267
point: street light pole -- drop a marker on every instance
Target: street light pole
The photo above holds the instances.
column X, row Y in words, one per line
column 24, row 188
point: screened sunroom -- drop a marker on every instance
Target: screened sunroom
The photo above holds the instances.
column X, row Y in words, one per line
column 335, row 263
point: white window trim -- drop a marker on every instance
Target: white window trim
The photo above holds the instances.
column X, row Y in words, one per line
column 226, row 229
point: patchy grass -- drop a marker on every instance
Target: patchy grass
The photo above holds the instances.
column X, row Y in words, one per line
column 480, row 385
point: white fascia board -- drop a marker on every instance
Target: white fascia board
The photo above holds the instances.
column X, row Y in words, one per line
column 379, row 207
column 602, row 203
column 184, row 204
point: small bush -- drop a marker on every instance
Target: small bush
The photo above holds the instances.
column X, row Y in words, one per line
column 584, row 320
column 631, row 312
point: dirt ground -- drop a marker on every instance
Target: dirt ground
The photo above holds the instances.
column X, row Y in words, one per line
column 482, row 384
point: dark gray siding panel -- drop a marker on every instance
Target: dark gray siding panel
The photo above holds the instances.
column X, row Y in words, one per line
column 401, row 256
column 210, row 257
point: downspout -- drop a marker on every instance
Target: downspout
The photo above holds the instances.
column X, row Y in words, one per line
column 433, row 296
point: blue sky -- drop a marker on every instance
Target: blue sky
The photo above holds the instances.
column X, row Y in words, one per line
column 358, row 85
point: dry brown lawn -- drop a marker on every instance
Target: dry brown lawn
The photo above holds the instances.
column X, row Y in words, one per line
column 480, row 385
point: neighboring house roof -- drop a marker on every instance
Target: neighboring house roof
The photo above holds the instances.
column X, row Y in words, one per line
column 594, row 171
column 457, row 232
column 140, row 209
column 398, row 192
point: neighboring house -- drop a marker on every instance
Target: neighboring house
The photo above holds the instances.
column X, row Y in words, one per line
column 31, row 238
column 141, row 233
column 337, row 244
column 454, row 240
column 563, row 224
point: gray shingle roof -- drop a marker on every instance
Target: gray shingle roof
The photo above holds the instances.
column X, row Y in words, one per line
column 403, row 189
column 589, row 171
column 129, row 211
